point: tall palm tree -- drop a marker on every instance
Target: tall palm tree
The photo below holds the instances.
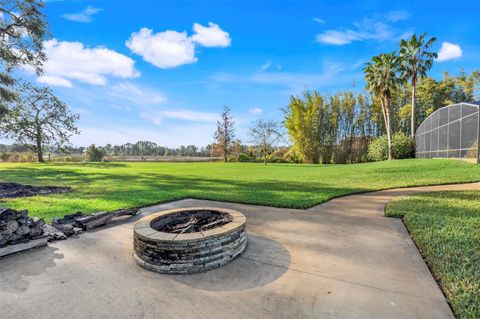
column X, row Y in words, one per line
column 414, row 62
column 381, row 78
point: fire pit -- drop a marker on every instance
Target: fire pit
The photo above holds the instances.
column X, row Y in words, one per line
column 189, row 240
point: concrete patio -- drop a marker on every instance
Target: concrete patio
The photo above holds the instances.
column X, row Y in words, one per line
column 341, row 259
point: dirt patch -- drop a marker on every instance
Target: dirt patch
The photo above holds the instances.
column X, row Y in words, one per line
column 10, row 190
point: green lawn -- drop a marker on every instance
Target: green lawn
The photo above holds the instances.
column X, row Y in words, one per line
column 109, row 186
column 446, row 228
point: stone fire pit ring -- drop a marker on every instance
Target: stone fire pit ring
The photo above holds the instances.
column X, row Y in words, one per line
column 188, row 253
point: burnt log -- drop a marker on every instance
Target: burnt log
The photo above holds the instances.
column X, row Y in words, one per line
column 69, row 219
column 39, row 223
column 19, row 240
column 213, row 224
column 181, row 228
column 7, row 214
column 25, row 221
column 101, row 218
column 66, row 229
column 5, row 237
column 23, row 230
column 36, row 231
column 22, row 220
column 92, row 217
column 125, row 212
column 22, row 213
column 94, row 220
column 53, row 233
column 12, row 226
column 10, row 249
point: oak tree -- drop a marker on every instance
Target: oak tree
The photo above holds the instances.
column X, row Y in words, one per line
column 39, row 118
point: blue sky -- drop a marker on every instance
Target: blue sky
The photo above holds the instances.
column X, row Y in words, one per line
column 162, row 71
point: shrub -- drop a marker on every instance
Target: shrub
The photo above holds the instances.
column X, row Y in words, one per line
column 377, row 150
column 292, row 156
column 402, row 147
column 277, row 160
column 94, row 154
column 4, row 156
column 28, row 157
column 244, row 158
column 18, row 157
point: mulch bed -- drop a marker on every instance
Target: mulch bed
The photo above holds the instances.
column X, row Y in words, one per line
column 11, row 190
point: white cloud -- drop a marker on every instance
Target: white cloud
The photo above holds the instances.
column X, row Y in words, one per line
column 398, row 15
column 449, row 51
column 72, row 61
column 378, row 28
column 165, row 50
column 170, row 49
column 158, row 117
column 84, row 16
column 137, row 95
column 338, row 37
column 55, row 81
column 255, row 111
column 265, row 66
column 192, row 116
column 211, row 36
column 319, row 20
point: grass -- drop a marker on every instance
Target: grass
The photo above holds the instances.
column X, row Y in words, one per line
column 446, row 228
column 109, row 186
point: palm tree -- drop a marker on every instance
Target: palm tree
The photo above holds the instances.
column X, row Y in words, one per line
column 414, row 62
column 381, row 78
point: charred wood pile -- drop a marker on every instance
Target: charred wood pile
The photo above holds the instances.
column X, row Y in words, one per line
column 194, row 224
column 19, row 232
column 68, row 225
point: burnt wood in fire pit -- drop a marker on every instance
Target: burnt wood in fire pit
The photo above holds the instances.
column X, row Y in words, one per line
column 189, row 240
column 191, row 221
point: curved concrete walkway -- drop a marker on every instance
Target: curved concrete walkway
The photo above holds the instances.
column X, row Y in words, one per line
column 341, row 259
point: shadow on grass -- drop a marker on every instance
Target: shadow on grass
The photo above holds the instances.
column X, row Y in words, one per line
column 140, row 189
column 93, row 164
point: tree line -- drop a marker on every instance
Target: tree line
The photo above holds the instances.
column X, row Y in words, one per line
column 148, row 148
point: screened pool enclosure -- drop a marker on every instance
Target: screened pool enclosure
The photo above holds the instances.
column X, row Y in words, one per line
column 452, row 131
